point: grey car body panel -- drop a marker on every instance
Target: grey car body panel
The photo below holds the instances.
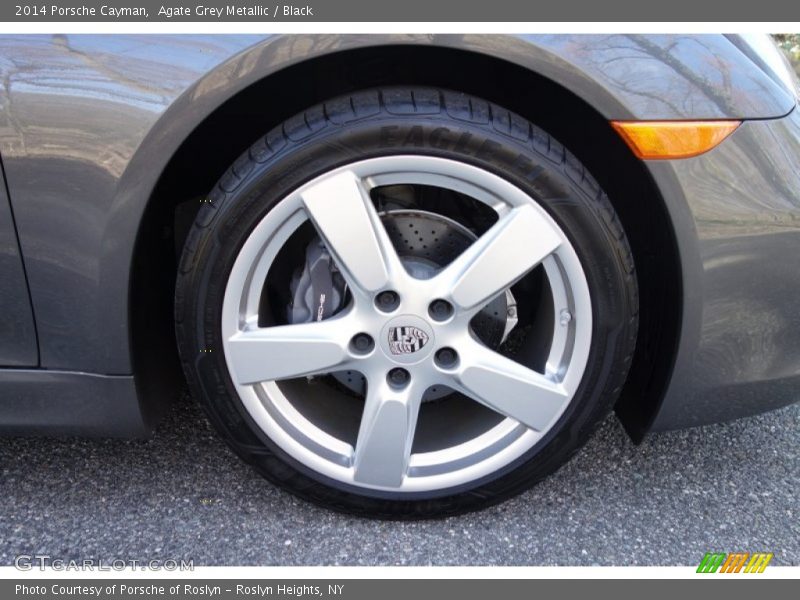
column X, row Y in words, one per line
column 17, row 331
column 739, row 351
column 36, row 401
column 88, row 123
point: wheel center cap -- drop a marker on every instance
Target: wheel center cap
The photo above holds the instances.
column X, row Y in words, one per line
column 407, row 339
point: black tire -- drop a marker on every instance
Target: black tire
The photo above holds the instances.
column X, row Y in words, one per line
column 381, row 122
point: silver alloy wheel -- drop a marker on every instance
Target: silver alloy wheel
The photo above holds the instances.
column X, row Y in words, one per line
column 338, row 205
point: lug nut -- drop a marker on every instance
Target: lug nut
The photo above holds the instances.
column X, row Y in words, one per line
column 362, row 343
column 440, row 310
column 446, row 357
column 387, row 301
column 398, row 377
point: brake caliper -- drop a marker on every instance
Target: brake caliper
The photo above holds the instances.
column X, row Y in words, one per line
column 318, row 289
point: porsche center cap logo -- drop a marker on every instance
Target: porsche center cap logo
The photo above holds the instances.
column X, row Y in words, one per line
column 406, row 340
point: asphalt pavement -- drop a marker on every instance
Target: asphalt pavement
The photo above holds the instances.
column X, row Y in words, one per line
column 183, row 495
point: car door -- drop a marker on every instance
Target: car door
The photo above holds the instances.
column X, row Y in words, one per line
column 18, row 346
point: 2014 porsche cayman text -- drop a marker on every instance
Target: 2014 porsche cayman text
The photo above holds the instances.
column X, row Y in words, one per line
column 115, row 12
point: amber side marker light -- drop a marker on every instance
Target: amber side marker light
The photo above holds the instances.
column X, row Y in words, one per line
column 673, row 139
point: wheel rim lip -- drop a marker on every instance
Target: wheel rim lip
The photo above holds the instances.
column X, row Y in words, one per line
column 429, row 472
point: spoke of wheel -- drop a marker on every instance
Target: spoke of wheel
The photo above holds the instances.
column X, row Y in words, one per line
column 387, row 430
column 286, row 351
column 344, row 216
column 513, row 246
column 510, row 388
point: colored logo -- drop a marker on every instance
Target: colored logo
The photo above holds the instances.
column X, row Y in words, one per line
column 405, row 340
column 734, row 562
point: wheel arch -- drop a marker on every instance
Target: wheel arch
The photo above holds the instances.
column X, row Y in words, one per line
column 225, row 111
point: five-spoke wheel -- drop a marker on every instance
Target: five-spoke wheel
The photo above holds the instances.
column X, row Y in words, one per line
column 407, row 334
column 418, row 313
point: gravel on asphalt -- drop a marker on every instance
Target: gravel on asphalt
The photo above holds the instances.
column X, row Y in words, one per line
column 181, row 494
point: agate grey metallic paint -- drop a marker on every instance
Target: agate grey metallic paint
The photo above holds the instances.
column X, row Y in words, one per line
column 17, row 331
column 88, row 123
column 740, row 345
column 37, row 401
